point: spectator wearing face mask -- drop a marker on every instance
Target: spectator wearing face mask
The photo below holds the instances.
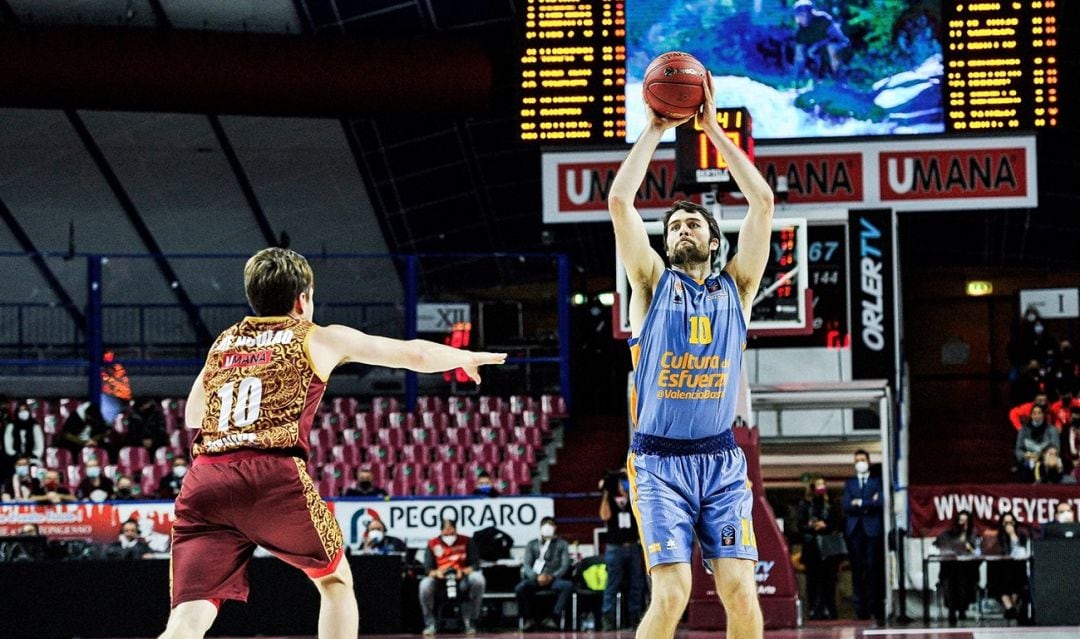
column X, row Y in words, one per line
column 21, row 485
column 53, row 490
column 83, row 427
column 452, row 562
column 622, row 557
column 819, row 518
column 959, row 579
column 864, row 533
column 130, row 545
column 485, row 487
column 1063, row 514
column 169, row 486
column 95, row 486
column 1050, row 469
column 365, row 486
column 1034, row 438
column 1070, row 443
column 23, row 437
column 1007, row 580
column 377, row 542
column 1031, row 341
column 545, row 567
column 125, row 488
column 1022, row 413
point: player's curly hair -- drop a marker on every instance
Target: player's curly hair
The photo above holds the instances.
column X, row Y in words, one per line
column 274, row 278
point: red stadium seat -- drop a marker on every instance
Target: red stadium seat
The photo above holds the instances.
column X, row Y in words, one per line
column 132, row 458
column 516, row 471
column 486, row 452
column 346, row 453
column 491, row 435
column 111, row 471
column 458, row 436
column 329, row 486
column 465, row 485
column 332, row 421
column 522, row 452
column 364, row 421
column 398, row 419
column 414, row 454
column 503, row 420
column 518, row 404
column 421, row 435
column 450, row 453
column 94, row 452
column 322, row 439
column 339, row 470
column 506, row 487
column 392, row 437
column 149, row 477
column 73, row 475
column 489, row 404
column 356, row 437
column 553, row 405
column 345, row 406
column 58, row 458
column 379, row 454
column 445, row 471
column 381, row 406
column 459, row 404
column 430, row 404
column 433, row 421
column 528, row 435
column 472, row 421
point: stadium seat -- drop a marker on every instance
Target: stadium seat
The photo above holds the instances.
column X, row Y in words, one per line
column 94, row 452
column 329, row 486
column 450, row 454
column 364, row 421
column 356, row 437
column 522, row 452
column 414, row 454
column 528, row 435
column 421, row 435
column 436, row 422
column 322, row 439
column 133, row 458
column 517, row 471
column 399, row 419
column 149, row 477
column 379, row 454
column 472, row 421
column 73, row 476
column 392, row 437
column 458, row 436
column 340, row 470
column 58, row 458
column 112, row 471
column 491, row 435
column 485, row 452
column 381, row 406
column 538, row 420
column 346, row 453
column 518, row 404
column 345, row 406
column 503, row 420
column 465, row 485
column 553, row 405
column 489, row 404
column 430, row 404
column 445, row 471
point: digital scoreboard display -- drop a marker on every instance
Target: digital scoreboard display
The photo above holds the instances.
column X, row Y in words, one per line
column 906, row 67
column 699, row 165
column 1002, row 64
column 573, row 71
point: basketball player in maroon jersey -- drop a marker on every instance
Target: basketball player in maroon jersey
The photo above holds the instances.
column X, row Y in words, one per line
column 248, row 485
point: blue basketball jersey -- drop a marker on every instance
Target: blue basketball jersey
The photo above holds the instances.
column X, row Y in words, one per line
column 688, row 357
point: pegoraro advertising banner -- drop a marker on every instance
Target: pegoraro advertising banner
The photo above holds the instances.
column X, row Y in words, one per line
column 905, row 175
column 933, row 508
column 418, row 520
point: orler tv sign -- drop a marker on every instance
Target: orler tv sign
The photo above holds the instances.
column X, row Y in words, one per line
column 904, row 175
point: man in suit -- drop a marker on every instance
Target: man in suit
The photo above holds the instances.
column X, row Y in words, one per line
column 863, row 504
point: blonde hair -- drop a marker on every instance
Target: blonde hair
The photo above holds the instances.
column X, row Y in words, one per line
column 274, row 278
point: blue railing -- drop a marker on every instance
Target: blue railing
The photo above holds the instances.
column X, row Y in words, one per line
column 160, row 335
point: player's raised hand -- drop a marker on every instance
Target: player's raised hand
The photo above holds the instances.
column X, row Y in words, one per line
column 482, row 358
column 658, row 121
column 708, row 107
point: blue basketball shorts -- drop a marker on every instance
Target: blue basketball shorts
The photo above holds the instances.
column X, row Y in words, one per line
column 678, row 497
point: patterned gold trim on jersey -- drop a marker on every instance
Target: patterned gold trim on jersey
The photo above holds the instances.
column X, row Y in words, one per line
column 326, row 526
column 310, row 359
column 285, row 377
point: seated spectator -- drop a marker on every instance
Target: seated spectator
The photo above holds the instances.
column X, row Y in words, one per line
column 22, row 485
column 1050, row 469
column 959, row 579
column 94, row 486
column 1070, row 443
column 377, row 542
column 146, row 426
column 30, row 530
column 545, row 567
column 130, row 545
column 1031, row 441
column 1058, row 412
column 485, row 487
column 125, row 488
column 23, row 437
column 365, row 485
column 1007, row 580
column 1065, row 370
column 452, row 563
column 169, row 486
column 1063, row 513
column 84, row 427
column 1022, row 413
column 53, row 490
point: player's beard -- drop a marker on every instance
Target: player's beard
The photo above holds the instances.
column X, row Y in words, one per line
column 687, row 254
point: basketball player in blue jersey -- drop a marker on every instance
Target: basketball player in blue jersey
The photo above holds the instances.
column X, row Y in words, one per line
column 688, row 327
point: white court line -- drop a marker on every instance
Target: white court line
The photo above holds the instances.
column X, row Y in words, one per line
column 978, row 633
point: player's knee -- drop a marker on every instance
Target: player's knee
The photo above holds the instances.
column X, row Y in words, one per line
column 672, row 599
column 738, row 594
column 338, row 582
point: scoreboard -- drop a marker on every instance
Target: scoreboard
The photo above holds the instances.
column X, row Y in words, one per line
column 1002, row 64
column 573, row 71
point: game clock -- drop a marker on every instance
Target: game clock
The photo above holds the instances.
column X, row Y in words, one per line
column 699, row 166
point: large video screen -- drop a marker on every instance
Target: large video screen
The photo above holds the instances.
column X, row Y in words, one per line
column 804, row 68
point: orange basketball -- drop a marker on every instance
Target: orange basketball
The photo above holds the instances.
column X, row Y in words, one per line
column 674, row 84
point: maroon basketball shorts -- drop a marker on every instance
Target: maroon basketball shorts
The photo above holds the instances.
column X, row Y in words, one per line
column 230, row 503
